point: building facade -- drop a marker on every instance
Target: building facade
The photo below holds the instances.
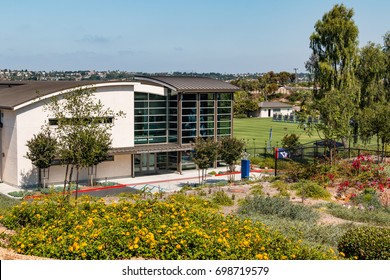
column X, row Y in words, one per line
column 269, row 109
column 163, row 116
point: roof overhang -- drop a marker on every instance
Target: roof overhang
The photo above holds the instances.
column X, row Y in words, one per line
column 144, row 149
column 188, row 84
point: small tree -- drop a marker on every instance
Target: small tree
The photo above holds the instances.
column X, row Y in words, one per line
column 291, row 142
column 374, row 122
column 230, row 151
column 243, row 103
column 204, row 154
column 83, row 125
column 41, row 151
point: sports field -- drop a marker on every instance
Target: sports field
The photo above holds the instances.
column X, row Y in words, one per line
column 256, row 131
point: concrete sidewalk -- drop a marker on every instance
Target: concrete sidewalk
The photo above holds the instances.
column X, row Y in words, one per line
column 167, row 182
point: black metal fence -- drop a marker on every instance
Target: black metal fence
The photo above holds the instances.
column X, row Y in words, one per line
column 316, row 152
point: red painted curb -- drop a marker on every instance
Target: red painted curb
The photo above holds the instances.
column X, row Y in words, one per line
column 143, row 183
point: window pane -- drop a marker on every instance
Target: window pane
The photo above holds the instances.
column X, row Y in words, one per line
column 141, row 112
column 223, row 124
column 141, row 104
column 189, row 104
column 188, row 133
column 206, row 96
column 224, row 96
column 207, row 104
column 189, row 96
column 185, row 140
column 156, row 97
column 224, row 131
column 157, row 118
column 207, row 118
column 173, row 111
column 157, row 111
column 157, row 126
column 224, row 103
column 161, row 104
column 206, row 125
column 188, row 118
column 141, row 119
column 173, row 118
column 158, row 140
column 156, row 132
column 207, row 111
column 189, row 111
column 206, row 132
column 140, row 96
column 140, row 126
column 140, row 133
column 224, row 117
column 140, row 141
column 189, row 126
column 224, row 110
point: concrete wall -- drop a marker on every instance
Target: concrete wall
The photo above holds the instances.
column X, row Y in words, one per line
column 263, row 112
column 9, row 148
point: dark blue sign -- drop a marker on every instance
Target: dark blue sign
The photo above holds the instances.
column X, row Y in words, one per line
column 282, row 153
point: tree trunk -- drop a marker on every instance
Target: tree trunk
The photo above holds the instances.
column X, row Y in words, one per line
column 70, row 180
column 39, row 178
column 66, row 177
column 77, row 182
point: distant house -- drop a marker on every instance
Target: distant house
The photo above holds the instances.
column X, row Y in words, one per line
column 284, row 90
column 268, row 109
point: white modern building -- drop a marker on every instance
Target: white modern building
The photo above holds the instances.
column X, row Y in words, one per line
column 163, row 117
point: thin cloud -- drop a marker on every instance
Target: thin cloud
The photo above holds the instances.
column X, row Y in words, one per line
column 94, row 39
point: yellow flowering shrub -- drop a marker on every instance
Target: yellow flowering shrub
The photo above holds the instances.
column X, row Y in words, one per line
column 179, row 227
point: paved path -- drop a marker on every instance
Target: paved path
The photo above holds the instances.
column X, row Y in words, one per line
column 168, row 182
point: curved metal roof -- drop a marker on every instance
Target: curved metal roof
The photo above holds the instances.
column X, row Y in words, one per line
column 14, row 94
column 190, row 84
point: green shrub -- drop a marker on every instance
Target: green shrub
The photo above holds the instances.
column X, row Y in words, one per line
column 310, row 233
column 379, row 216
column 366, row 243
column 241, row 116
column 255, row 160
column 19, row 194
column 282, row 187
column 306, row 188
column 6, row 204
column 257, row 189
column 368, row 198
column 277, row 206
column 221, row 198
column 285, row 164
column 269, row 162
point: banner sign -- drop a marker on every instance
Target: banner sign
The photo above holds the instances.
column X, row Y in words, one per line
column 281, row 153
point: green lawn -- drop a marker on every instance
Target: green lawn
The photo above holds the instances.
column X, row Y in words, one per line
column 256, row 131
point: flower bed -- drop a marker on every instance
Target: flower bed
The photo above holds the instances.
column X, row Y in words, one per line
column 181, row 227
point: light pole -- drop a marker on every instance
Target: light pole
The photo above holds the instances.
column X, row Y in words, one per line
column 296, row 77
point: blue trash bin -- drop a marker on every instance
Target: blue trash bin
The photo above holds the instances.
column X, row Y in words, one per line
column 245, row 168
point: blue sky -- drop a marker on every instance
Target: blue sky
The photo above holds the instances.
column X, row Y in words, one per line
column 171, row 35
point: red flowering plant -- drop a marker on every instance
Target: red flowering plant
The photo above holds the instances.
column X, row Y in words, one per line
column 365, row 173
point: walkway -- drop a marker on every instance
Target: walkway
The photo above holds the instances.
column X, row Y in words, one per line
column 168, row 182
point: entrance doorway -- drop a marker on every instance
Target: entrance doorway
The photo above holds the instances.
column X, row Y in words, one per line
column 145, row 164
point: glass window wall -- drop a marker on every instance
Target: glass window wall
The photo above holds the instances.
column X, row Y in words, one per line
column 150, row 118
